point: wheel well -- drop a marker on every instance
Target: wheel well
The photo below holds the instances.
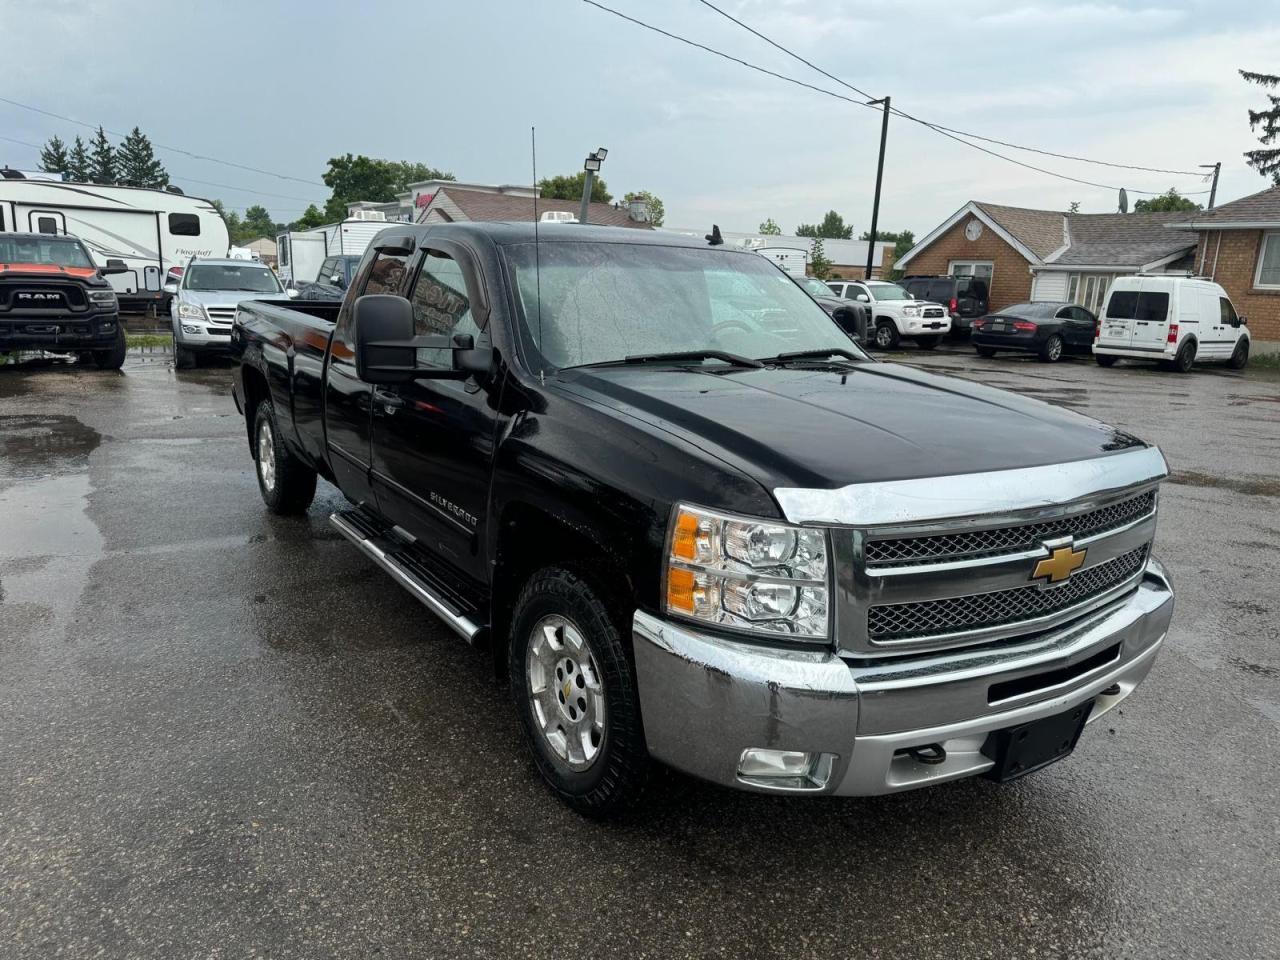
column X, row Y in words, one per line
column 255, row 391
column 883, row 319
column 531, row 539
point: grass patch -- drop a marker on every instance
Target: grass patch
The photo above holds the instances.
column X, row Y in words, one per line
column 140, row 340
column 1269, row 360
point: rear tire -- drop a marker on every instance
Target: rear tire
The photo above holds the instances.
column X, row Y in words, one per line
column 985, row 351
column 113, row 358
column 1239, row 356
column 588, row 748
column 928, row 343
column 1184, row 360
column 1051, row 351
column 287, row 484
column 1105, row 360
column 886, row 335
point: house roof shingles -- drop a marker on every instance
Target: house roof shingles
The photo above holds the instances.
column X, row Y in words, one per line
column 1040, row 231
column 1124, row 239
column 474, row 205
column 1261, row 207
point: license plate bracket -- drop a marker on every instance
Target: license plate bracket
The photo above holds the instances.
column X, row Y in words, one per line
column 1028, row 747
column 998, row 328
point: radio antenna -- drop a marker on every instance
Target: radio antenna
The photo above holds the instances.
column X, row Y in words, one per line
column 537, row 258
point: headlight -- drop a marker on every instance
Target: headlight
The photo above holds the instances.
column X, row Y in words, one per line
column 102, row 298
column 191, row 311
column 910, row 311
column 757, row 576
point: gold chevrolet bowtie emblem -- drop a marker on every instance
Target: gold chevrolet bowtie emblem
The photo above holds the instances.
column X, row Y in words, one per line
column 1059, row 565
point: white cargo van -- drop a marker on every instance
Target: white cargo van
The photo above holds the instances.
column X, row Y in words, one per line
column 1173, row 320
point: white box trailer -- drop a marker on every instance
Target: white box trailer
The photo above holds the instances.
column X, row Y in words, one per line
column 299, row 253
column 791, row 260
column 150, row 230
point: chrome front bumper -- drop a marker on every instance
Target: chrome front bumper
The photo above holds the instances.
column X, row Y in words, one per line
column 706, row 699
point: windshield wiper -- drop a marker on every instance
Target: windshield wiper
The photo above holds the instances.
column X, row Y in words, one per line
column 813, row 355
column 676, row 356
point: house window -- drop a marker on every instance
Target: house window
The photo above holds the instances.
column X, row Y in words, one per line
column 971, row 268
column 1268, row 274
column 1089, row 289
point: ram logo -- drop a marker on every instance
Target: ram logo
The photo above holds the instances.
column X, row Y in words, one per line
column 39, row 297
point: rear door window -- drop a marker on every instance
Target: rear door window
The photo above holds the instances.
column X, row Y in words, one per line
column 1132, row 305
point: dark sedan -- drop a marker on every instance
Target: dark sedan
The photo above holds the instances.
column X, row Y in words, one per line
column 1048, row 329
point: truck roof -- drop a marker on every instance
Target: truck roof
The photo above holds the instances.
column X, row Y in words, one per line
column 503, row 233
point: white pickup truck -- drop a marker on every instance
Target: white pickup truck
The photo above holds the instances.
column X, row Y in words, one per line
column 895, row 314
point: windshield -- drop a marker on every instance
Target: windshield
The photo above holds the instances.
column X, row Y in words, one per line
column 225, row 276
column 603, row 302
column 1030, row 310
column 55, row 251
column 888, row 291
column 815, row 287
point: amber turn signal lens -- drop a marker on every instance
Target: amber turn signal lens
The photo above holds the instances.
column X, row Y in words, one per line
column 684, row 542
column 680, row 589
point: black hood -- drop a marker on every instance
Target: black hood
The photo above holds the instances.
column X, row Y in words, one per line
column 799, row 427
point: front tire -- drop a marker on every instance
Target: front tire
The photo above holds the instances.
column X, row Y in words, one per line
column 575, row 693
column 287, row 484
column 928, row 343
column 886, row 335
column 1239, row 356
column 112, row 358
column 1051, row 351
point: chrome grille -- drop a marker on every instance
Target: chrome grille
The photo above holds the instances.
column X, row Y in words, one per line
column 932, row 312
column 935, row 617
column 221, row 314
column 906, row 551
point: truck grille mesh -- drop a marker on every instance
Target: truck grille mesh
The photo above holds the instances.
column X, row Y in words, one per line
column 928, row 618
column 906, row 551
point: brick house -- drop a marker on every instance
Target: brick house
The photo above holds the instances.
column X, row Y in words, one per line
column 1239, row 247
column 1027, row 254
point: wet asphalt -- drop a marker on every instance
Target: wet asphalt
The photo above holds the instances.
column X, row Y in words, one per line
column 224, row 734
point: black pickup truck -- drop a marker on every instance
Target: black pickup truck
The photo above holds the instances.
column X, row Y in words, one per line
column 53, row 297
column 694, row 523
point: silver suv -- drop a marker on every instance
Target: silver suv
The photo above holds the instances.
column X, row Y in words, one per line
column 203, row 303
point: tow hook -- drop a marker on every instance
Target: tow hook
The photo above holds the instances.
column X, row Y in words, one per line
column 931, row 753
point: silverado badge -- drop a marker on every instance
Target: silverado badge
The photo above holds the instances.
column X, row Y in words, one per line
column 1059, row 565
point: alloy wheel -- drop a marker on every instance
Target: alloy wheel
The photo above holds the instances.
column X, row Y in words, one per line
column 565, row 692
column 266, row 456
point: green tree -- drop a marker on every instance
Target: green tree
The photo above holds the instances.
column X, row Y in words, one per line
column 657, row 212
column 1170, row 202
column 54, row 158
column 832, row 227
column 102, row 159
column 353, row 178
column 570, row 188
column 1074, row 207
column 770, row 228
column 79, row 167
column 819, row 265
column 257, row 222
column 137, row 164
column 902, row 240
column 311, row 217
column 230, row 218
column 1266, row 162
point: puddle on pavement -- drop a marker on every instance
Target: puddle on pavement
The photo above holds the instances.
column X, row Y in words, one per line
column 1249, row 486
column 33, row 445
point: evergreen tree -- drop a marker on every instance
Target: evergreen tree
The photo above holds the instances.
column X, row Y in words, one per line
column 78, row 164
column 819, row 265
column 102, row 164
column 1266, row 162
column 137, row 165
column 53, row 157
column 770, row 228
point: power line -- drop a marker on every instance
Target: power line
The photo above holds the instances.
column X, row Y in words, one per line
column 936, row 126
column 860, row 103
column 161, row 146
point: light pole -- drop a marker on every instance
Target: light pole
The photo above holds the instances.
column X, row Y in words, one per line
column 1213, row 190
column 591, row 165
column 875, row 206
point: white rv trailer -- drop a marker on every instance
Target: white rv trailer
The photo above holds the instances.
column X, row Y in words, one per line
column 299, row 253
column 150, row 230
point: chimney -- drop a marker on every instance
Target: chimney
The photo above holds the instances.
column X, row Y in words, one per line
column 638, row 210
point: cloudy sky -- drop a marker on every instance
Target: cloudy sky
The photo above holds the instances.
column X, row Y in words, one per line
column 282, row 85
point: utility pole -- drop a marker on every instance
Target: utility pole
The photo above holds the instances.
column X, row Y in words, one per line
column 1213, row 190
column 875, row 206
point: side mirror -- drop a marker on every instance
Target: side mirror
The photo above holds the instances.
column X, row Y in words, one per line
column 114, row 266
column 862, row 298
column 1243, row 321
column 852, row 321
column 337, row 281
column 291, row 293
column 170, row 288
column 384, row 339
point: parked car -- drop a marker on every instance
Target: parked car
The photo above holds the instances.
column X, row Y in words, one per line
column 685, row 535
column 1173, row 320
column 1047, row 329
column 203, row 303
column 331, row 280
column 895, row 313
column 854, row 318
column 966, row 298
column 53, row 297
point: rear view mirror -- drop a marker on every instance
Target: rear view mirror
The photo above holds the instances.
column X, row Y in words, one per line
column 114, row 266
column 384, row 335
